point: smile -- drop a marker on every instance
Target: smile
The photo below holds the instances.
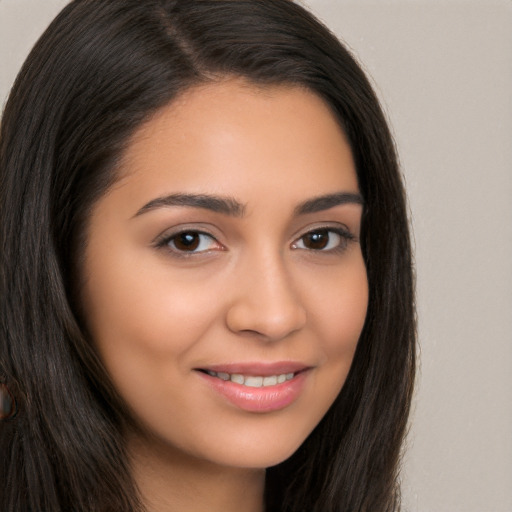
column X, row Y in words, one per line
column 252, row 381
column 259, row 388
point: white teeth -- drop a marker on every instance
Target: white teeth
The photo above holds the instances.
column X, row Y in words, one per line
column 252, row 381
column 270, row 381
column 237, row 378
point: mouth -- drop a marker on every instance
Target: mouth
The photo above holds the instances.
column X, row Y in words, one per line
column 252, row 381
column 257, row 388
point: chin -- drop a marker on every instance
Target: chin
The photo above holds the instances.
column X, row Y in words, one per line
column 255, row 450
column 259, row 457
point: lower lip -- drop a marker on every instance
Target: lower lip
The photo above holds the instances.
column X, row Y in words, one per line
column 263, row 399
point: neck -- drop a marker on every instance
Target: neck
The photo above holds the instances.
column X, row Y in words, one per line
column 171, row 481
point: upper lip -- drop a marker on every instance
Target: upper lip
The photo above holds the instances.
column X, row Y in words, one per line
column 262, row 369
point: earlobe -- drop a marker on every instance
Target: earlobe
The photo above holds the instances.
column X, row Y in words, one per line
column 8, row 406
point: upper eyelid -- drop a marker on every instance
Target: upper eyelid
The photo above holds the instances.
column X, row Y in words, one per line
column 336, row 227
column 177, row 230
column 169, row 236
column 346, row 237
column 163, row 243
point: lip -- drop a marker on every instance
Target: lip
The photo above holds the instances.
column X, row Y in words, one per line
column 262, row 399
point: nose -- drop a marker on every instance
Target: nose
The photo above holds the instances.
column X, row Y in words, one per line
column 266, row 303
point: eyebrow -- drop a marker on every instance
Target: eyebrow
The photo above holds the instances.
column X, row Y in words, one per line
column 224, row 205
column 232, row 207
column 321, row 203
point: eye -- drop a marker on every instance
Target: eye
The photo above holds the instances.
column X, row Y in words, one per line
column 324, row 239
column 191, row 242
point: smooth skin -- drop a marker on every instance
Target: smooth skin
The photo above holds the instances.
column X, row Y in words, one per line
column 263, row 273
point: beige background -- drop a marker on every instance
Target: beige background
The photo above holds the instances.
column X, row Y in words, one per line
column 444, row 72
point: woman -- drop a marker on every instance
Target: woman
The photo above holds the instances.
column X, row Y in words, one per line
column 206, row 285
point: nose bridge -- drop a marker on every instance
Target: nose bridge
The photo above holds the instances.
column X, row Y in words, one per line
column 266, row 301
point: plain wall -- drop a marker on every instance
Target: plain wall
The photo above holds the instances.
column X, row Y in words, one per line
column 444, row 72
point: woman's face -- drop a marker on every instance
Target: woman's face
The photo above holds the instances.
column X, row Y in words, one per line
column 225, row 288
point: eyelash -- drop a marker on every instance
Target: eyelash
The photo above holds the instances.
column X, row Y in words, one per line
column 345, row 236
column 166, row 241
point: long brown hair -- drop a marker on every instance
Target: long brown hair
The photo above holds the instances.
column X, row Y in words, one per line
column 100, row 70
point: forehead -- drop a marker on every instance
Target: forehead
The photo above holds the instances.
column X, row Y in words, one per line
column 233, row 135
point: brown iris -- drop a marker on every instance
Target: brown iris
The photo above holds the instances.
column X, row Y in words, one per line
column 188, row 241
column 317, row 240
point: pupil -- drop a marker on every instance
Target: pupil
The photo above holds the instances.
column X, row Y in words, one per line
column 187, row 241
column 317, row 240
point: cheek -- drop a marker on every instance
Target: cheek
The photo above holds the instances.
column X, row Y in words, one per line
column 145, row 327
column 141, row 319
column 339, row 307
column 347, row 317
column 339, row 304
